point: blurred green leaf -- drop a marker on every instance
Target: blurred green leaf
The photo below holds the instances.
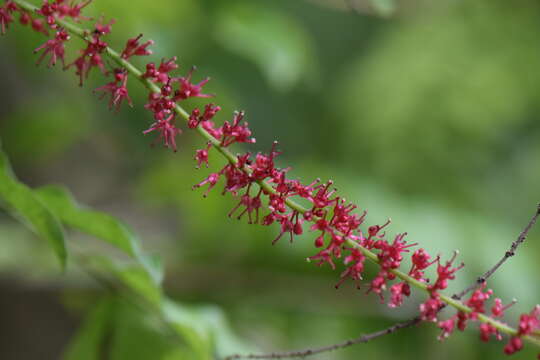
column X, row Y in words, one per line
column 384, row 7
column 98, row 224
column 205, row 327
column 141, row 10
column 459, row 92
column 189, row 325
column 21, row 202
column 226, row 341
column 137, row 336
column 134, row 276
column 140, row 281
column 117, row 329
column 153, row 265
column 88, row 342
column 24, row 132
column 101, row 225
column 271, row 39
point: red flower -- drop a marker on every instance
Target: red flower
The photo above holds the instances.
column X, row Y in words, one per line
column 445, row 273
column 5, row 15
column 514, row 345
column 167, row 131
column 74, row 10
column 39, row 26
column 103, row 29
column 60, row 9
column 134, row 48
column 447, row 327
column 236, row 132
column 212, row 180
column 89, row 58
column 117, row 89
column 477, row 300
column 398, row 290
column 430, row 308
column 486, row 330
column 54, row 48
column 188, row 89
column 201, row 155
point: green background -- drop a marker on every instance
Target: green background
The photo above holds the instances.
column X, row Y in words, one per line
column 423, row 113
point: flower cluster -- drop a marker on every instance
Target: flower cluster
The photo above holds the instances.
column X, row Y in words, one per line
column 54, row 48
column 163, row 104
column 6, row 15
column 528, row 323
column 117, row 88
column 259, row 184
column 91, row 56
column 60, row 9
column 7, row 12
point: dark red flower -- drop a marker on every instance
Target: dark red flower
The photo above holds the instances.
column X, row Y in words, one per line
column 39, row 26
column 430, row 308
column 324, row 256
column 167, row 131
column 74, row 10
column 514, row 345
column 378, row 285
column 54, row 48
column 117, row 89
column 6, row 16
column 134, row 48
column 528, row 323
column 201, row 155
column 355, row 270
column 48, row 10
column 188, row 89
column 398, row 290
column 445, row 273
column 486, row 330
column 90, row 57
column 477, row 300
column 103, row 29
column 251, row 205
column 236, row 132
column 447, row 327
column 211, row 180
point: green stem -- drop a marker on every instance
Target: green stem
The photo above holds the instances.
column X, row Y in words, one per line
column 115, row 56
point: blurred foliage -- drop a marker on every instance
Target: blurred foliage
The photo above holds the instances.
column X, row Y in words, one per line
column 422, row 112
column 283, row 57
column 22, row 203
column 43, row 210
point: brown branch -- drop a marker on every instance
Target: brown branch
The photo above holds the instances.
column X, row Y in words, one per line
column 402, row 325
column 303, row 353
column 508, row 254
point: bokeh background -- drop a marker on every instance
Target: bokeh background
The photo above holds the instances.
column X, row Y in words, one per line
column 424, row 113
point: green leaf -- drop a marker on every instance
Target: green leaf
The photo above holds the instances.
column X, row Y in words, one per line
column 133, row 276
column 21, row 202
column 226, row 342
column 138, row 279
column 384, row 7
column 101, row 225
column 88, row 342
column 205, row 328
column 138, row 336
column 117, row 329
column 274, row 41
column 98, row 224
column 188, row 325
